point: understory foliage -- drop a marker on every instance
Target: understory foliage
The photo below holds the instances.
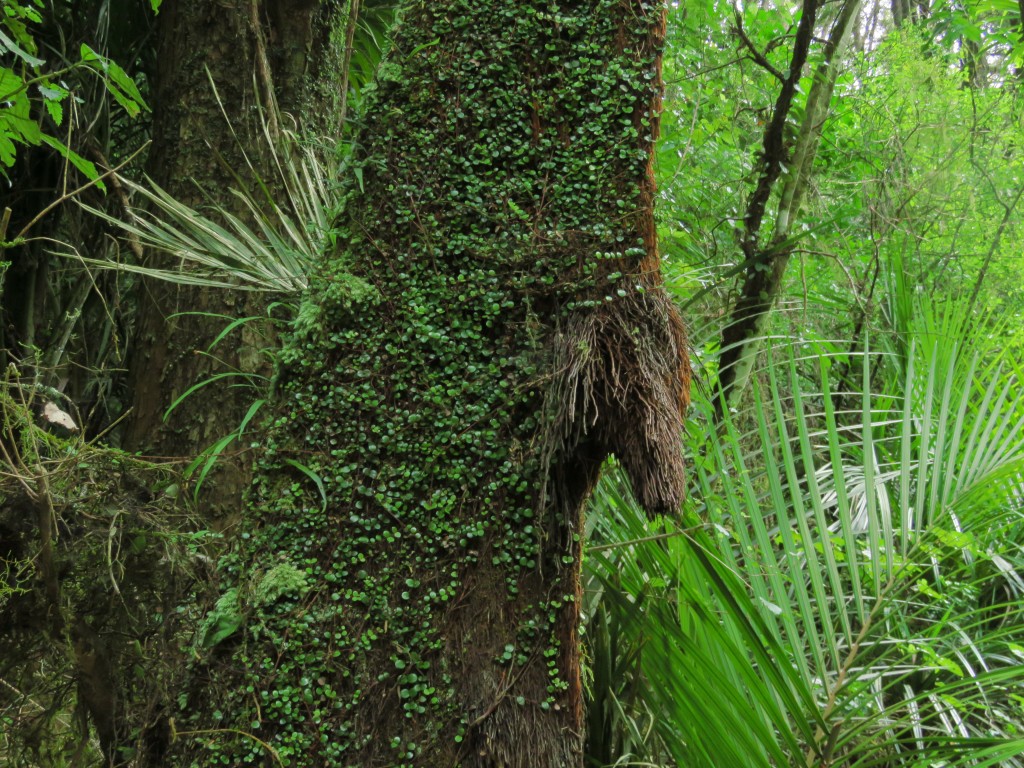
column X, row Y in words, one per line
column 73, row 105
column 846, row 585
column 96, row 559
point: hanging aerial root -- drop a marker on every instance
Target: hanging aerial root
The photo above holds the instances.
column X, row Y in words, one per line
column 622, row 386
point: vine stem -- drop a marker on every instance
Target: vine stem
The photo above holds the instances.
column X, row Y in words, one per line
column 350, row 35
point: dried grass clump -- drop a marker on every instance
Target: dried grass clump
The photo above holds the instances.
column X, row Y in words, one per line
column 622, row 386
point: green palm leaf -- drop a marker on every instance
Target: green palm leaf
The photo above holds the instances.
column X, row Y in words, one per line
column 848, row 591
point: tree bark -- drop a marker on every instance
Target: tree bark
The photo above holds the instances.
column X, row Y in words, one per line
column 257, row 55
column 495, row 326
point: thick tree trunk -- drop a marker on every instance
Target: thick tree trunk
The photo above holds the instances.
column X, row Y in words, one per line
column 409, row 585
column 258, row 55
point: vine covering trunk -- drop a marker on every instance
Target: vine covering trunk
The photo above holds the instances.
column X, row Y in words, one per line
column 492, row 327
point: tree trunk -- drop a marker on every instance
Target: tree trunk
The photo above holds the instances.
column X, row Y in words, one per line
column 408, row 589
column 766, row 265
column 756, row 263
column 258, row 55
column 900, row 12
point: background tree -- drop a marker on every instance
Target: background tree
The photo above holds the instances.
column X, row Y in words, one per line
column 229, row 76
column 786, row 162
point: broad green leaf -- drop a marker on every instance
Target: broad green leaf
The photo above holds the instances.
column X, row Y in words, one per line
column 7, row 44
column 87, row 167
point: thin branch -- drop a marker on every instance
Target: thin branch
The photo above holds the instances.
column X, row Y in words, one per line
column 755, row 54
column 1008, row 209
column 122, row 198
column 75, row 192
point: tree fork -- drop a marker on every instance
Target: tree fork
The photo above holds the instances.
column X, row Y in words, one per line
column 766, row 266
column 762, row 270
column 407, row 591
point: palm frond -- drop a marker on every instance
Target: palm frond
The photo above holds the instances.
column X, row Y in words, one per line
column 846, row 593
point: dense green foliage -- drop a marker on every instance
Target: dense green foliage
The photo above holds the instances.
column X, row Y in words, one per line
column 30, row 84
column 848, row 581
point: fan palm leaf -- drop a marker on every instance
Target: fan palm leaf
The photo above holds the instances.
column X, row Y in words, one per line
column 847, row 591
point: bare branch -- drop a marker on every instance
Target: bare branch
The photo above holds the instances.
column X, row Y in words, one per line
column 755, row 54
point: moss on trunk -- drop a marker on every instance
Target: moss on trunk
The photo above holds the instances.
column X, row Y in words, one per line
column 492, row 327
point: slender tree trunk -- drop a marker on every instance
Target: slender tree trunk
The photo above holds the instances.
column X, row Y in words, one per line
column 773, row 157
column 408, row 589
column 766, row 265
column 900, row 12
column 225, row 68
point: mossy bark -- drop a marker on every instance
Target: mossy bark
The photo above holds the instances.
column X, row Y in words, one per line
column 492, row 328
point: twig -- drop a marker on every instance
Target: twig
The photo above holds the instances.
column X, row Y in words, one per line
column 114, row 423
column 75, row 192
column 175, row 734
column 122, row 198
column 755, row 54
column 33, row 702
column 4, row 222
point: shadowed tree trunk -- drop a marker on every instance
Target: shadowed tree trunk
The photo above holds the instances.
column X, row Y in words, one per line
column 408, row 588
column 259, row 55
column 901, row 10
